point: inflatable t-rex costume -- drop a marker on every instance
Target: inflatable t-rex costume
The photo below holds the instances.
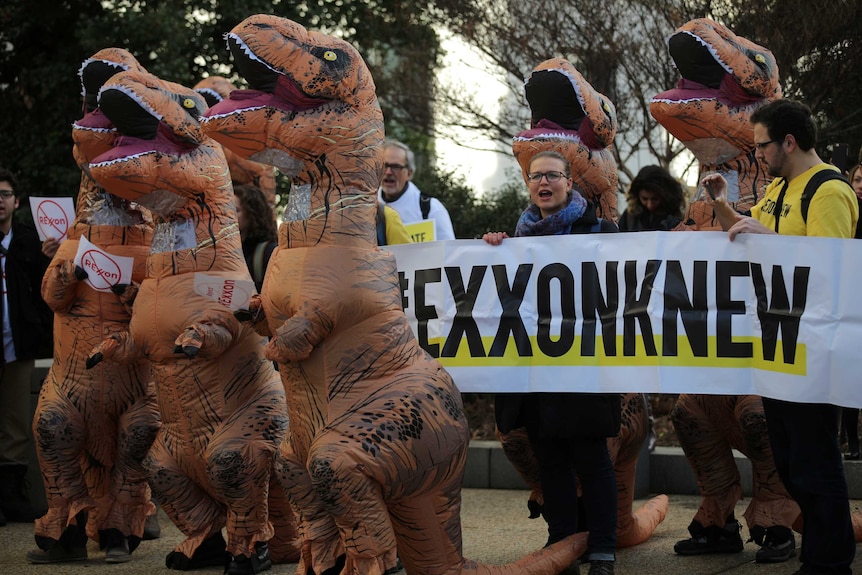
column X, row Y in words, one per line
column 378, row 436
column 94, row 427
column 569, row 116
column 214, row 89
column 724, row 79
column 222, row 405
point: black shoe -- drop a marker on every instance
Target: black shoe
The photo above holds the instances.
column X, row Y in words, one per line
column 853, row 456
column 57, row 554
column 259, row 561
column 712, row 539
column 211, row 553
column 119, row 552
column 152, row 529
column 601, row 568
column 779, row 545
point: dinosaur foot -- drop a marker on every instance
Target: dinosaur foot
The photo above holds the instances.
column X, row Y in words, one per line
column 334, row 570
column 211, row 553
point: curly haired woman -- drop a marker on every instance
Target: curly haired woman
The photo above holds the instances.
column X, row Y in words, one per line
column 656, row 201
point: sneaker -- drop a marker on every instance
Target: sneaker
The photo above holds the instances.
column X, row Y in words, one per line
column 712, row 539
column 259, row 561
column 601, row 568
column 57, row 554
column 779, row 545
column 119, row 552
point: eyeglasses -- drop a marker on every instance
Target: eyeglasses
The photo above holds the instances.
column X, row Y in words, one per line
column 762, row 145
column 536, row 177
column 7, row 193
column 393, row 167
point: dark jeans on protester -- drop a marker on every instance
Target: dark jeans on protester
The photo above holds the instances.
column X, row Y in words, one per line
column 808, row 458
column 563, row 460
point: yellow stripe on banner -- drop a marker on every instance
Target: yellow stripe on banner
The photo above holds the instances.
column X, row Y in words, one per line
column 683, row 358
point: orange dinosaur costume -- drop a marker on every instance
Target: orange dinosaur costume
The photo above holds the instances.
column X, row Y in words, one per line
column 724, row 79
column 222, row 405
column 94, row 427
column 378, row 436
column 214, row 89
column 569, row 116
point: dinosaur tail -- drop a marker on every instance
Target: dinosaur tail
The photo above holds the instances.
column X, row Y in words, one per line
column 644, row 521
column 550, row 560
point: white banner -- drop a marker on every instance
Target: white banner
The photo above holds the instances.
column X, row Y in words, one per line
column 657, row 312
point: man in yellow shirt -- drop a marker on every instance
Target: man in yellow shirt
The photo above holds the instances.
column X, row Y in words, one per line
column 802, row 436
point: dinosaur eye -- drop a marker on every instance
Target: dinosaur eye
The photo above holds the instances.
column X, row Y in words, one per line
column 606, row 108
column 188, row 103
column 329, row 55
column 760, row 59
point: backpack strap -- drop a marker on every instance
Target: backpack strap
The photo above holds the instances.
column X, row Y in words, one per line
column 257, row 262
column 381, row 225
column 818, row 179
column 424, row 205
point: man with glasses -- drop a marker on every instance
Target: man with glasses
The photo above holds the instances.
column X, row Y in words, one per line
column 26, row 325
column 425, row 218
column 802, row 436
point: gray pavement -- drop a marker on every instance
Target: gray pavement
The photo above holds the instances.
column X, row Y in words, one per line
column 495, row 530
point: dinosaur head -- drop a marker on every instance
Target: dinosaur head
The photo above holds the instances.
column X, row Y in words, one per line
column 724, row 78
column 93, row 135
column 161, row 158
column 312, row 112
column 569, row 116
column 214, row 89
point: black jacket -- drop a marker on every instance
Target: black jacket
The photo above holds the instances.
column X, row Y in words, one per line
column 563, row 414
column 29, row 316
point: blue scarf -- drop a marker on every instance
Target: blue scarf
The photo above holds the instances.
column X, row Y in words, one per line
column 531, row 222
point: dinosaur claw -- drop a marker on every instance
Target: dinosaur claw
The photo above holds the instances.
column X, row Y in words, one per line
column 94, row 360
column 119, row 289
column 190, row 350
column 80, row 273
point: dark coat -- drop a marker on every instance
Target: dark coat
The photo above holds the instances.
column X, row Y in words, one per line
column 563, row 414
column 29, row 316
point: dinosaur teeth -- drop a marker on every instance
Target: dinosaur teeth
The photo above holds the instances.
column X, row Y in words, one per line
column 123, row 159
column 248, row 51
column 206, row 119
column 712, row 51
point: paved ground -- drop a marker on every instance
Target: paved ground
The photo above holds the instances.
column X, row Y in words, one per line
column 495, row 528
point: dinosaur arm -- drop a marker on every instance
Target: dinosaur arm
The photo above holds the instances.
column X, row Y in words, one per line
column 127, row 294
column 116, row 348
column 59, row 285
column 254, row 315
column 298, row 336
column 212, row 334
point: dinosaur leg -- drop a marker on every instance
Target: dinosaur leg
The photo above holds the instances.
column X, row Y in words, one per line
column 633, row 528
column 517, row 448
column 129, row 500
column 321, row 545
column 770, row 504
column 60, row 434
column 239, row 461
column 284, row 547
column 195, row 513
column 706, row 445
